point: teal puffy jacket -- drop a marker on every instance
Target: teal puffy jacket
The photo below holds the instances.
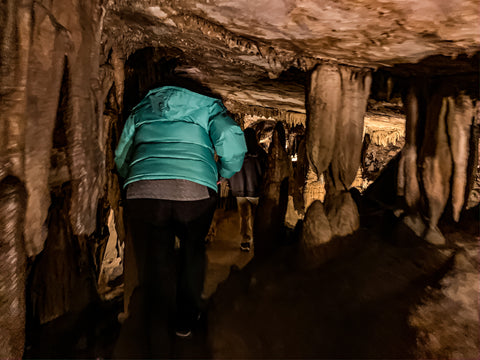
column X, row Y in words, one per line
column 173, row 133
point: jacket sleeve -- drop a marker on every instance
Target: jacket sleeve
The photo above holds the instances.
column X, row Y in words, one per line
column 228, row 140
column 124, row 149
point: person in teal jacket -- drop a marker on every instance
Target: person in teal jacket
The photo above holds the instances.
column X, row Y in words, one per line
column 166, row 155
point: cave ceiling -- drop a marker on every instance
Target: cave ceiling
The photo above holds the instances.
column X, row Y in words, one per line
column 256, row 52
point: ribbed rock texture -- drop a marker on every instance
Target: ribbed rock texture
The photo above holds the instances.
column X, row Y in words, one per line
column 437, row 157
column 53, row 92
column 13, row 261
column 336, row 105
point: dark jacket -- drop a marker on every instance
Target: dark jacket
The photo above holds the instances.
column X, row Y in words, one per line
column 248, row 181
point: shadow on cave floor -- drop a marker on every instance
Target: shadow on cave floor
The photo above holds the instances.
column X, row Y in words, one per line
column 354, row 305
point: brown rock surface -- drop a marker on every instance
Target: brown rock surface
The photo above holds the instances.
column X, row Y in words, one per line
column 342, row 213
column 315, row 233
column 13, row 264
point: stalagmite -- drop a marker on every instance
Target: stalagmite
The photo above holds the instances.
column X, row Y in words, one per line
column 342, row 213
column 316, row 232
column 270, row 216
column 459, row 121
column 12, row 268
column 323, row 103
column 436, row 164
column 407, row 175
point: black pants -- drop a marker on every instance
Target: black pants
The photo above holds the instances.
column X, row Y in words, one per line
column 172, row 281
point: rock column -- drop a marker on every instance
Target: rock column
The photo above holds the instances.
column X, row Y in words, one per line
column 336, row 104
column 434, row 163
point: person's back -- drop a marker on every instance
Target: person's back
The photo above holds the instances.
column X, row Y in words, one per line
column 166, row 156
column 248, row 181
column 170, row 133
column 247, row 184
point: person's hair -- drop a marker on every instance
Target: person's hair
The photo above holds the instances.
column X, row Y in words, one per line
column 251, row 140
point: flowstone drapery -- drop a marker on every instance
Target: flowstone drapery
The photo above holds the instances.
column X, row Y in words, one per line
column 336, row 104
column 434, row 166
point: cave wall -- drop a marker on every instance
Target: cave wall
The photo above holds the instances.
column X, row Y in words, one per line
column 53, row 137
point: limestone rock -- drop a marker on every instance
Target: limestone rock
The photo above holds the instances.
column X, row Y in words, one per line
column 459, row 121
column 13, row 260
column 415, row 223
column 315, row 233
column 355, row 88
column 436, row 162
column 342, row 213
column 316, row 228
column 323, row 104
column 408, row 185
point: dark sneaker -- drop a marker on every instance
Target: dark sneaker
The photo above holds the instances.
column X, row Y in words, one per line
column 184, row 328
column 245, row 246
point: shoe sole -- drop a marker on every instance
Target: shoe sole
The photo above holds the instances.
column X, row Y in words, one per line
column 183, row 334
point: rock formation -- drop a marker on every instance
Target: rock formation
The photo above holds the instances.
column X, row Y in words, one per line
column 272, row 205
column 13, row 262
column 433, row 166
column 336, row 104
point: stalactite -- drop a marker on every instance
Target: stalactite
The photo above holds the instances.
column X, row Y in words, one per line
column 408, row 179
column 323, row 103
column 436, row 165
column 12, row 268
column 44, row 82
column 355, row 88
column 336, row 105
column 459, row 121
column 118, row 64
column 474, row 153
column 87, row 164
column 14, row 49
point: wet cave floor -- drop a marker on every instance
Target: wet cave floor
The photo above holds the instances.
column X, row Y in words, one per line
column 355, row 304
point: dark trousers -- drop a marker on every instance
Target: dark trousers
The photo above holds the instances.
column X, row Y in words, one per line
column 171, row 280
